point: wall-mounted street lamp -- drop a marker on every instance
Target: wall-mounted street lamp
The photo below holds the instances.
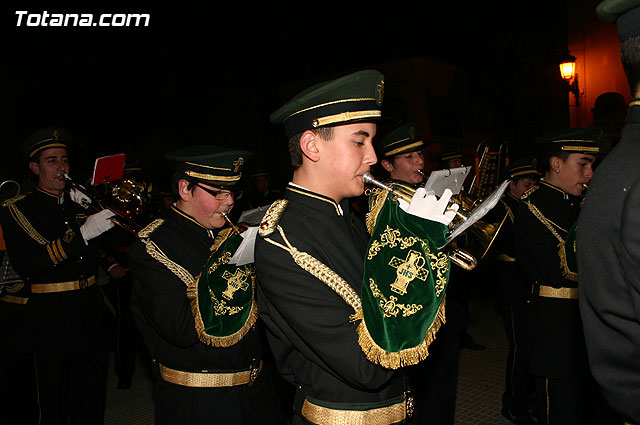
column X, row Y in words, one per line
column 568, row 72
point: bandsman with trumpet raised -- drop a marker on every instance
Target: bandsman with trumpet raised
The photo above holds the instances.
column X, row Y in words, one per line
column 53, row 247
column 324, row 304
column 207, row 351
column 434, row 380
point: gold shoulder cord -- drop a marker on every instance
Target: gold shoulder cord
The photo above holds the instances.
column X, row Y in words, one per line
column 156, row 253
column 24, row 223
column 321, row 271
column 566, row 272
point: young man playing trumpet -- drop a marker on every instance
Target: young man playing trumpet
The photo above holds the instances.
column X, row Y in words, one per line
column 200, row 380
column 310, row 258
column 53, row 247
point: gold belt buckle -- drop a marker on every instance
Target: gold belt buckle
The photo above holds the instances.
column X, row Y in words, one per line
column 83, row 283
column 408, row 398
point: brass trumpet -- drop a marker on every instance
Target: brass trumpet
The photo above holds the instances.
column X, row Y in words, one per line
column 458, row 256
column 122, row 220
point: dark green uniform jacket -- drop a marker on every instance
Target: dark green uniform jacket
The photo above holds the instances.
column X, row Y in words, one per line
column 314, row 343
column 45, row 246
column 556, row 339
column 163, row 314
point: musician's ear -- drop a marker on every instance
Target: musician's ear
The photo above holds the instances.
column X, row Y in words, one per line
column 183, row 190
column 387, row 165
column 33, row 166
column 308, row 145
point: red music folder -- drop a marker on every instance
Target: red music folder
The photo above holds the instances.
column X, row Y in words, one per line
column 108, row 168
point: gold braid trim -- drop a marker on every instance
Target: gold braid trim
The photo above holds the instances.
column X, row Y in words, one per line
column 24, row 223
column 376, row 202
column 321, row 271
column 13, row 200
column 272, row 217
column 406, row 357
column 220, row 341
column 150, row 228
column 155, row 252
column 562, row 253
column 529, row 191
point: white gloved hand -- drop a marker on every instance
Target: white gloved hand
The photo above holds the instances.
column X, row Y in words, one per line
column 424, row 204
column 79, row 198
column 97, row 224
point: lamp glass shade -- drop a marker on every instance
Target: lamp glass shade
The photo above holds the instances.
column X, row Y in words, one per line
column 568, row 70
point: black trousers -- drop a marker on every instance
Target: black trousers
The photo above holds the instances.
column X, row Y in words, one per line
column 125, row 337
column 519, row 389
column 18, row 400
column 572, row 402
column 434, row 381
column 71, row 388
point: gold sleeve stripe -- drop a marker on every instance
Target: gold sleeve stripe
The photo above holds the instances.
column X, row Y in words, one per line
column 52, row 255
column 26, row 226
column 60, row 249
column 54, row 248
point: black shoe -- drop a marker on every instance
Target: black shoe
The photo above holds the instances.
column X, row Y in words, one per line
column 524, row 418
column 467, row 342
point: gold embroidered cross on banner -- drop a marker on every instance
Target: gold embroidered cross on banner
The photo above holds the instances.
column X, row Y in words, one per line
column 235, row 281
column 407, row 270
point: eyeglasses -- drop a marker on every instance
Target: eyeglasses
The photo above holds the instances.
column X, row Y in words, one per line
column 221, row 195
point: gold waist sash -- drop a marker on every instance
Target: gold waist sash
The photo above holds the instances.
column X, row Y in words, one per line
column 209, row 380
column 13, row 299
column 565, row 293
column 379, row 416
column 45, row 288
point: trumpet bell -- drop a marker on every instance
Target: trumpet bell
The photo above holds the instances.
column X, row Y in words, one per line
column 471, row 245
column 132, row 194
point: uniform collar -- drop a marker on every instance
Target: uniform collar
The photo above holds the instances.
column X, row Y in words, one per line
column 312, row 199
column 48, row 196
column 189, row 221
column 552, row 187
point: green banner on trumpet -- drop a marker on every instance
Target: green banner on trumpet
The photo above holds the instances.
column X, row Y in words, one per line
column 403, row 289
column 222, row 296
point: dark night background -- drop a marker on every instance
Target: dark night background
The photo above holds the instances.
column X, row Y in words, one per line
column 213, row 74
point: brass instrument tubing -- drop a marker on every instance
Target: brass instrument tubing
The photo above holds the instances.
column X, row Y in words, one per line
column 233, row 226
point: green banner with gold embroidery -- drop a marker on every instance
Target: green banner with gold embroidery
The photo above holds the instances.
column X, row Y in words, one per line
column 222, row 296
column 403, row 289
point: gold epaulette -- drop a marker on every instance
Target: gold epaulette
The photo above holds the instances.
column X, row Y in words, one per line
column 272, row 217
column 529, row 191
column 150, row 228
column 13, row 200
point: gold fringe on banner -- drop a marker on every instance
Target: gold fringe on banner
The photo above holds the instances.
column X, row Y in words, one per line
column 406, row 357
